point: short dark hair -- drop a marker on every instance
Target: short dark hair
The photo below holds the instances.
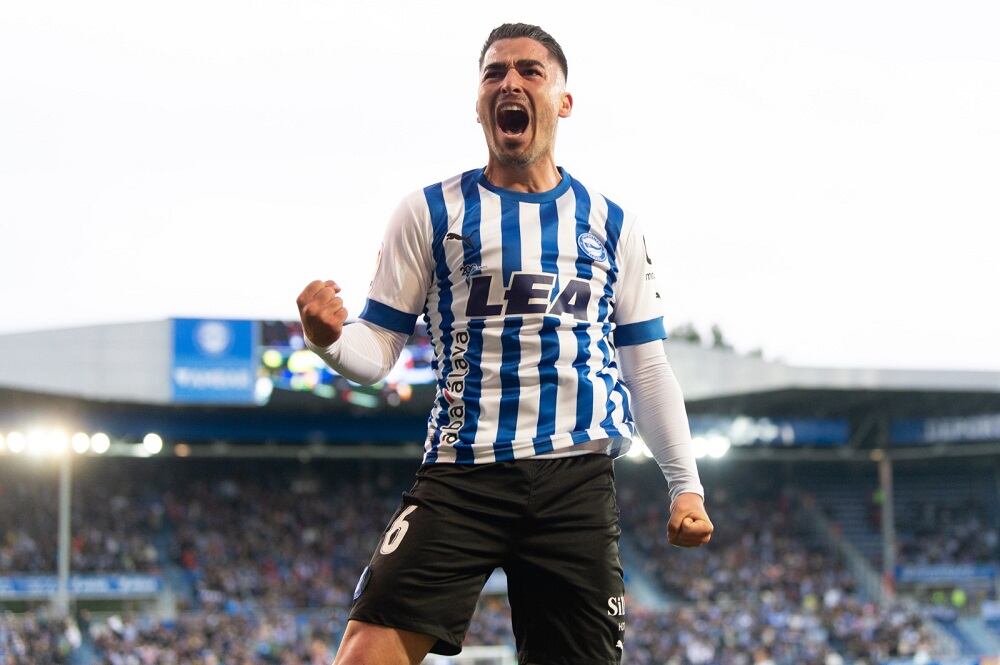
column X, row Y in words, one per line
column 515, row 30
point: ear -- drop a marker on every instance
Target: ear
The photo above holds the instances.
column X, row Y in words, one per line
column 565, row 105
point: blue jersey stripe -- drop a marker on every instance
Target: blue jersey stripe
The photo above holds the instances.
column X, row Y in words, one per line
column 474, row 355
column 473, row 390
column 612, row 232
column 510, row 343
column 548, row 377
column 472, row 217
column 583, row 267
column 510, row 237
column 434, row 195
column 431, row 455
column 510, row 388
column 584, row 387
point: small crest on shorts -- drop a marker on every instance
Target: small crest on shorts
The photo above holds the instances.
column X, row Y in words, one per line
column 592, row 246
column 362, row 582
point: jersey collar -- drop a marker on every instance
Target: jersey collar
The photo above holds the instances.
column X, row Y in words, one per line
column 529, row 197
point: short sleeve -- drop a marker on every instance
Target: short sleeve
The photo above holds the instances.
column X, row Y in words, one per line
column 638, row 313
column 403, row 271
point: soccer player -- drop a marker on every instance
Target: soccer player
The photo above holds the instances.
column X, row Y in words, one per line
column 541, row 299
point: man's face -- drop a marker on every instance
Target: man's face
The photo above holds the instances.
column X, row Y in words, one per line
column 521, row 97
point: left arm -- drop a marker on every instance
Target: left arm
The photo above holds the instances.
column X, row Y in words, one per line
column 657, row 402
column 658, row 407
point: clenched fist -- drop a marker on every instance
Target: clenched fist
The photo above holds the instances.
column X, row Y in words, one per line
column 322, row 312
column 689, row 524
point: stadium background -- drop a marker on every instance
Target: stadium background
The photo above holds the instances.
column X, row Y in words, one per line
column 205, row 491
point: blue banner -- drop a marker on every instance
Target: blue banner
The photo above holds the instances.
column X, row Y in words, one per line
column 746, row 431
column 37, row 587
column 945, row 430
column 945, row 573
column 213, row 361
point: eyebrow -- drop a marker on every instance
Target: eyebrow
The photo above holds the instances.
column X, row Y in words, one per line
column 520, row 64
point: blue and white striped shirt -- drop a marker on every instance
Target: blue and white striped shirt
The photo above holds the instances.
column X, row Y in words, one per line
column 526, row 296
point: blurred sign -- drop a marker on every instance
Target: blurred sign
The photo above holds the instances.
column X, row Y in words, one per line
column 747, row 431
column 34, row 587
column 284, row 363
column 931, row 574
column 213, row 361
column 946, row 430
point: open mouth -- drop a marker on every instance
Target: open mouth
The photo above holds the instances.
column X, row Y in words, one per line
column 512, row 119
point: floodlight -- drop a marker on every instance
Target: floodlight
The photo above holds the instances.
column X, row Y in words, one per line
column 635, row 451
column 717, row 446
column 56, row 442
column 699, row 446
column 100, row 443
column 36, row 442
column 16, row 442
column 80, row 442
column 152, row 443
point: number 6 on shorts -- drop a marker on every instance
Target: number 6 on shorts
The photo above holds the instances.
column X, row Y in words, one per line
column 396, row 532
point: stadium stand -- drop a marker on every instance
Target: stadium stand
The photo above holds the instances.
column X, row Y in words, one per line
column 270, row 552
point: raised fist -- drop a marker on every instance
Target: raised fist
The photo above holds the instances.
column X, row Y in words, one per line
column 322, row 312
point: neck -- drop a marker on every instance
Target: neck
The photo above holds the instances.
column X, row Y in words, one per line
column 539, row 176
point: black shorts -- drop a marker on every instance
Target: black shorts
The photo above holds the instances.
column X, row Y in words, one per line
column 551, row 524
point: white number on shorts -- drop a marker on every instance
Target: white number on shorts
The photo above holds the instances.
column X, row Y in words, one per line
column 396, row 532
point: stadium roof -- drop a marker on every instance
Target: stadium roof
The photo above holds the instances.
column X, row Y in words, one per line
column 132, row 363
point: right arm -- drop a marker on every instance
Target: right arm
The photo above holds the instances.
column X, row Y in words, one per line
column 366, row 351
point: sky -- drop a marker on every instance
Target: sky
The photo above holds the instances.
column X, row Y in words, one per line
column 821, row 180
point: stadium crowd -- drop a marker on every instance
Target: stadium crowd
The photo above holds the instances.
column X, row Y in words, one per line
column 948, row 534
column 270, row 561
column 113, row 526
column 762, row 587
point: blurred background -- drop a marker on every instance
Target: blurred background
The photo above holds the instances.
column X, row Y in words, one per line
column 182, row 483
column 207, row 491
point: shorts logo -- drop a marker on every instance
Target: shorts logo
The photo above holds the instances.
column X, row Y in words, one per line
column 362, row 582
column 592, row 246
column 616, row 606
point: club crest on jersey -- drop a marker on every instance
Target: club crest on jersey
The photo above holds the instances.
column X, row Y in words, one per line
column 592, row 246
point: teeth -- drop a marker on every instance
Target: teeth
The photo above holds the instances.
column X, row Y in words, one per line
column 512, row 107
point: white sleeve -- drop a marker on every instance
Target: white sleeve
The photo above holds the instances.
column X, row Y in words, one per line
column 364, row 353
column 638, row 310
column 404, row 269
column 658, row 408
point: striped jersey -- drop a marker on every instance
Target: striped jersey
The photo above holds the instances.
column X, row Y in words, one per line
column 526, row 296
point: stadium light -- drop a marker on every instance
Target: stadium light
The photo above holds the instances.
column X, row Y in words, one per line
column 717, row 446
column 56, row 442
column 80, row 443
column 699, row 447
column 635, row 450
column 100, row 443
column 36, row 442
column 152, row 443
column 16, row 442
